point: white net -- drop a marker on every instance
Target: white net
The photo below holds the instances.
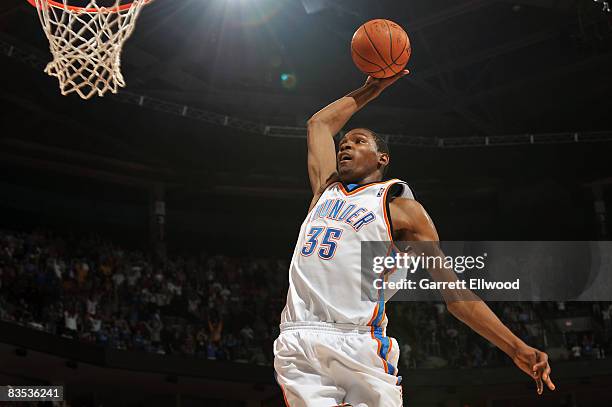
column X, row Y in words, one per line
column 86, row 43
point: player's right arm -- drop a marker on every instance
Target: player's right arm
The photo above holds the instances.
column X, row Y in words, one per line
column 324, row 124
column 411, row 223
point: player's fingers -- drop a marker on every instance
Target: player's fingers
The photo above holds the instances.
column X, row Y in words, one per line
column 542, row 363
column 539, row 384
column 546, row 372
column 541, row 360
column 537, row 368
column 547, row 379
column 549, row 383
column 401, row 74
column 540, row 366
column 392, row 79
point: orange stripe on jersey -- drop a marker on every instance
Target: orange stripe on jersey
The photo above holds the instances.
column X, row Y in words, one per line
column 373, row 316
column 384, row 208
column 284, row 395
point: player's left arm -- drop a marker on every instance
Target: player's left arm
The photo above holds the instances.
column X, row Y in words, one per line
column 411, row 223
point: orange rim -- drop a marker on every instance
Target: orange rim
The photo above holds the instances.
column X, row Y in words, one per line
column 57, row 4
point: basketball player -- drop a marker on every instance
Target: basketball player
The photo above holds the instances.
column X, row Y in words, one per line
column 332, row 349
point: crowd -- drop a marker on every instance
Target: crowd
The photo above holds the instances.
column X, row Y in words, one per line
column 212, row 307
column 433, row 338
column 225, row 308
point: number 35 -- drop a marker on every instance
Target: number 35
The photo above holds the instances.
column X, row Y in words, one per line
column 327, row 247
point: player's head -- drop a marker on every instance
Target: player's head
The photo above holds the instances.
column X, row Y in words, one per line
column 361, row 153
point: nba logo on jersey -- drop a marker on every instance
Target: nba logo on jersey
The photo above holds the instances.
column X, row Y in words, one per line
column 380, row 192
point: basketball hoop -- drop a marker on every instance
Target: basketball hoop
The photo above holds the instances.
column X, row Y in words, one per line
column 86, row 43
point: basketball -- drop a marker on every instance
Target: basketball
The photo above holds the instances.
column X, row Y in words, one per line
column 380, row 48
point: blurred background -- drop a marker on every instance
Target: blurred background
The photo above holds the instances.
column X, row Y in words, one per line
column 145, row 236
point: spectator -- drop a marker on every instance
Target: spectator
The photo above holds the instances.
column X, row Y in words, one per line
column 71, row 322
column 94, row 324
column 215, row 328
column 92, row 305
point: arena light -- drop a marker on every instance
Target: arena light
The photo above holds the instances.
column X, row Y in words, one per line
column 605, row 5
column 288, row 80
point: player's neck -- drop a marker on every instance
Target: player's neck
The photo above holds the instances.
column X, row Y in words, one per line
column 366, row 180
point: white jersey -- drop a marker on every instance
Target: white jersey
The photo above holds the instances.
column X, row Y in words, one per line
column 325, row 276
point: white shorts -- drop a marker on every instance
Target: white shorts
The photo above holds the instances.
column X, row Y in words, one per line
column 324, row 365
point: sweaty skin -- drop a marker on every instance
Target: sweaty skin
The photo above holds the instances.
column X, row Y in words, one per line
column 358, row 161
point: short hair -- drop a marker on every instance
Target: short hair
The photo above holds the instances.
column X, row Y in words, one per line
column 381, row 144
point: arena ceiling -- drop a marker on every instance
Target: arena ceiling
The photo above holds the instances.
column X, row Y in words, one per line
column 203, row 84
column 479, row 68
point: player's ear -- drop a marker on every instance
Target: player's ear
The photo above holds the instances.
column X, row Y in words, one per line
column 383, row 159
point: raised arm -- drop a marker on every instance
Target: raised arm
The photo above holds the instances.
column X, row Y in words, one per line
column 324, row 124
column 412, row 223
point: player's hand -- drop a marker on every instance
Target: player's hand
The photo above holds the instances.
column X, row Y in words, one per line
column 535, row 363
column 382, row 83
